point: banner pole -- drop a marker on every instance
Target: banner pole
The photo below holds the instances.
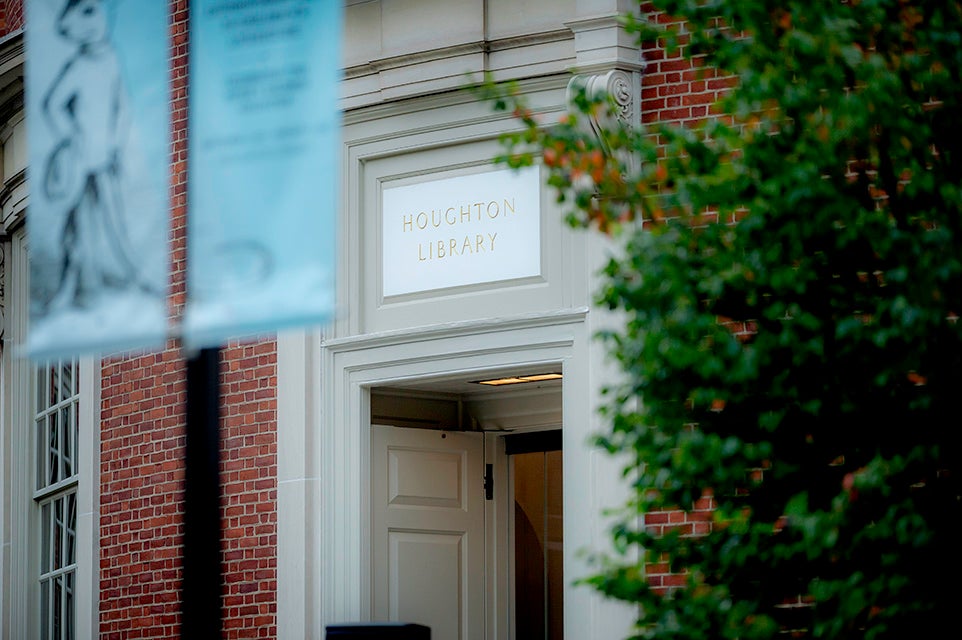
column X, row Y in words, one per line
column 202, row 577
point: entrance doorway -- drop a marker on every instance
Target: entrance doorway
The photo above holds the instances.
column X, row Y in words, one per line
column 466, row 523
column 536, row 468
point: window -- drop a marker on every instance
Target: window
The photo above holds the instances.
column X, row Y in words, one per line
column 56, row 428
column 50, row 462
column 49, row 444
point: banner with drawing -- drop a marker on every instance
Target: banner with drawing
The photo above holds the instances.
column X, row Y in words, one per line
column 97, row 104
column 263, row 165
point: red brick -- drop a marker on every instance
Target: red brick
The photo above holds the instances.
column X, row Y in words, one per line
column 142, row 450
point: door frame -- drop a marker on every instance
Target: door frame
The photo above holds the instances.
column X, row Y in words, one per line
column 356, row 366
column 323, row 438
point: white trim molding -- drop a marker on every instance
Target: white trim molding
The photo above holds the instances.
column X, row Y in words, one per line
column 20, row 610
column 351, row 368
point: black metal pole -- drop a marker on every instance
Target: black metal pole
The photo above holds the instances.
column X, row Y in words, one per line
column 201, row 605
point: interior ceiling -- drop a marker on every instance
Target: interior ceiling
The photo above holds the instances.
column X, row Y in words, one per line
column 466, row 385
column 459, row 403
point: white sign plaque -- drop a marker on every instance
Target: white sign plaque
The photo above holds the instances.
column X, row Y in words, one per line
column 464, row 230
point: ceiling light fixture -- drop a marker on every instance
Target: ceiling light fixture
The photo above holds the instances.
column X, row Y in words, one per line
column 535, row 377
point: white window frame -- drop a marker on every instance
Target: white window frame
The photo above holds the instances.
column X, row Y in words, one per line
column 56, row 493
column 21, row 570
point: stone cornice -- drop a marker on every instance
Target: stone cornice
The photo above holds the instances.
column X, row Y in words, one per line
column 432, row 55
column 603, row 44
column 466, row 327
column 11, row 51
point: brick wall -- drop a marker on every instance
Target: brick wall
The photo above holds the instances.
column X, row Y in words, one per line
column 698, row 521
column 673, row 90
column 249, row 475
column 142, row 451
column 11, row 16
column 141, row 476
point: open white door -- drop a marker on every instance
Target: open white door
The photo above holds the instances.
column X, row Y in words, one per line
column 427, row 530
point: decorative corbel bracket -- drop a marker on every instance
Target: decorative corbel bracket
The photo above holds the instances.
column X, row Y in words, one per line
column 619, row 87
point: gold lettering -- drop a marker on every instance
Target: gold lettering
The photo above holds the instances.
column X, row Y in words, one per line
column 460, row 214
column 453, row 247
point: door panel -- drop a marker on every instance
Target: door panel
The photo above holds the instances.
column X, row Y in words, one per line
column 427, row 530
column 426, row 564
column 419, row 478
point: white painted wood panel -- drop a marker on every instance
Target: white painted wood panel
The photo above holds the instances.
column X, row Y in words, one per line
column 426, row 581
column 427, row 530
column 418, row 478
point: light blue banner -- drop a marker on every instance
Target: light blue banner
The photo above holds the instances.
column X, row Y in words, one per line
column 97, row 102
column 263, row 166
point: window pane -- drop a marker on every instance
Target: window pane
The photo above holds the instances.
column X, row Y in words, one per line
column 58, row 533
column 41, row 386
column 53, row 449
column 71, row 529
column 56, row 608
column 67, row 440
column 66, row 380
column 45, row 609
column 41, row 452
column 74, row 436
column 53, row 384
column 68, row 612
column 45, row 526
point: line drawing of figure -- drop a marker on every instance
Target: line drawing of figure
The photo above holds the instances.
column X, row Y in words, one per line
column 85, row 109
